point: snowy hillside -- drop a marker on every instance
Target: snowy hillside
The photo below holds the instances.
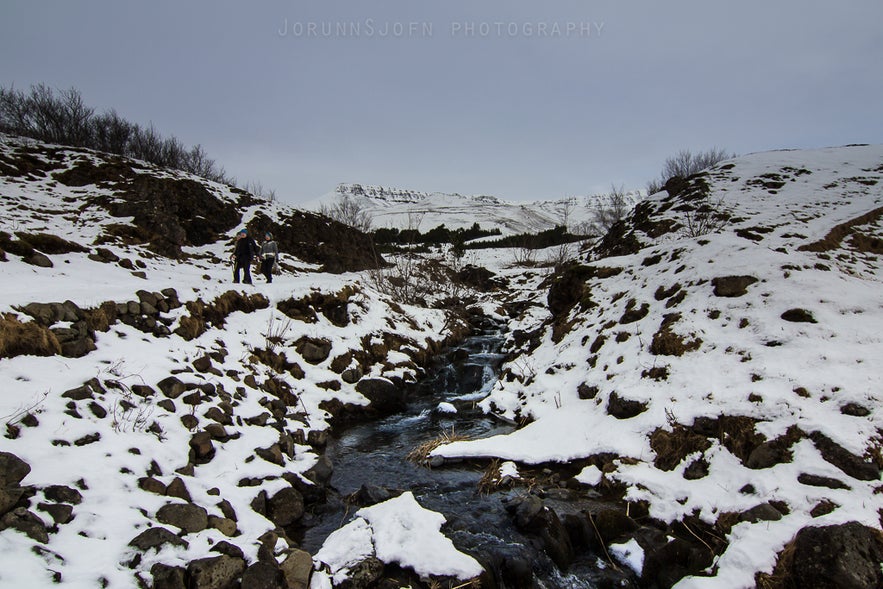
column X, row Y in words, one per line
column 403, row 209
column 728, row 380
column 153, row 411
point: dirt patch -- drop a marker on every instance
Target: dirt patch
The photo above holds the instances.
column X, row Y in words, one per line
column 673, row 446
column 668, row 343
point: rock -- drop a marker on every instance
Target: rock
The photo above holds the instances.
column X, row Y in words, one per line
column 624, row 408
column 798, row 316
column 25, row 522
column 285, row 507
column 224, row 547
column 767, row 455
column 9, row 498
column 532, row 516
column 79, row 393
column 855, row 410
column 12, row 470
column 262, row 575
column 665, row 565
column 168, row 577
column 222, row 524
column 61, row 513
column 351, row 375
column 845, row 460
column 612, row 524
column 152, row 485
column 202, row 364
column 314, row 352
column 217, row 572
column 148, row 297
column 297, row 568
column 172, row 387
column 186, row 516
column 819, row 481
column 762, row 512
column 62, row 494
column 366, row 573
column 178, row 489
column 143, row 390
column 384, row 396
column 202, row 448
column 320, row 473
column 371, row 495
column 39, row 260
column 732, row 286
column 167, row 404
column 837, row 557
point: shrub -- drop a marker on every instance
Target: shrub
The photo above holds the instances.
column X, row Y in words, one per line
column 686, row 163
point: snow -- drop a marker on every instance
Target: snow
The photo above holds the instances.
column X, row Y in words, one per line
column 750, row 363
column 629, row 553
column 398, row 531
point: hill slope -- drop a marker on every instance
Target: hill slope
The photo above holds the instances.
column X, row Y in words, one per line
column 727, row 379
column 151, row 410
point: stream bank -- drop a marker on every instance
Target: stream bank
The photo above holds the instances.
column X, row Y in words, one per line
column 521, row 535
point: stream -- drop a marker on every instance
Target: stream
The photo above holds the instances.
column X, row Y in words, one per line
column 374, row 454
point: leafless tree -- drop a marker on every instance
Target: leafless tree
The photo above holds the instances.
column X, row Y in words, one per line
column 608, row 209
column 686, row 163
column 349, row 211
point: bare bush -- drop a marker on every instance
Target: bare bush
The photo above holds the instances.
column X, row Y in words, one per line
column 608, row 209
column 686, row 163
column 349, row 211
column 258, row 190
column 706, row 216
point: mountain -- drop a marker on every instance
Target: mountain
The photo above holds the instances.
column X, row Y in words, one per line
column 404, row 209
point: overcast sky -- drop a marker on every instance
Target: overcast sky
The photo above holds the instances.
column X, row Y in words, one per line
column 518, row 99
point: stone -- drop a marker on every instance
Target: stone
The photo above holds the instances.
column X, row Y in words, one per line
column 845, row 460
column 351, row 375
column 285, row 507
column 12, row 470
column 168, row 577
column 202, row 363
column 143, row 390
column 172, row 387
column 202, row 448
column 624, row 408
column 152, row 485
column 222, row 524
column 39, row 260
column 314, row 352
column 168, row 405
column 216, row 572
column 148, row 297
column 262, row 575
column 297, row 568
column 62, row 494
column 762, row 512
column 61, row 513
column 798, row 316
column 79, row 393
column 25, row 522
column 178, row 489
column 224, row 547
column 320, row 473
column 837, row 557
column 9, row 498
column 186, row 516
column 813, row 480
column 732, row 286
column 383, row 394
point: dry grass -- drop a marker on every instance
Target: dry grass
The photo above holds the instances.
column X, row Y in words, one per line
column 672, row 447
column 420, row 454
column 19, row 339
column 836, row 235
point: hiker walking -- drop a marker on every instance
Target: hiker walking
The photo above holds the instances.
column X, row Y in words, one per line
column 245, row 251
column 269, row 256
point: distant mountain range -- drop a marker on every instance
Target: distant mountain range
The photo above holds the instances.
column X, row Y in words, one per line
column 403, row 208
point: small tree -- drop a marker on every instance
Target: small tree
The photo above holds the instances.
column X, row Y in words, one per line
column 608, row 209
column 349, row 211
column 687, row 163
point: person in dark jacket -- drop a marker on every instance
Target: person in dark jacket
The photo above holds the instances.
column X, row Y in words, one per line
column 269, row 255
column 245, row 252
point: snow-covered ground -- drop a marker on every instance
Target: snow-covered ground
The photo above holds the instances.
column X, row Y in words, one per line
column 822, row 377
column 745, row 361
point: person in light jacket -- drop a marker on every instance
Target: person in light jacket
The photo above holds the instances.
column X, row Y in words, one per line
column 269, row 256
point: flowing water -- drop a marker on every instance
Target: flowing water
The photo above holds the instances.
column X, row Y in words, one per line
column 374, row 453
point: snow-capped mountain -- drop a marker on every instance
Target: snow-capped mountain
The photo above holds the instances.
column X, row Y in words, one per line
column 404, row 209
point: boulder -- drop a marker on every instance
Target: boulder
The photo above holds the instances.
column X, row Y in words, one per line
column 216, row 572
column 25, row 522
column 837, row 557
column 297, row 569
column 285, row 507
column 12, row 470
column 383, row 394
column 172, row 387
column 263, row 575
column 186, row 516
column 168, row 577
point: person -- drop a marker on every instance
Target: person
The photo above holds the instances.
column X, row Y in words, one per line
column 245, row 251
column 269, row 255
